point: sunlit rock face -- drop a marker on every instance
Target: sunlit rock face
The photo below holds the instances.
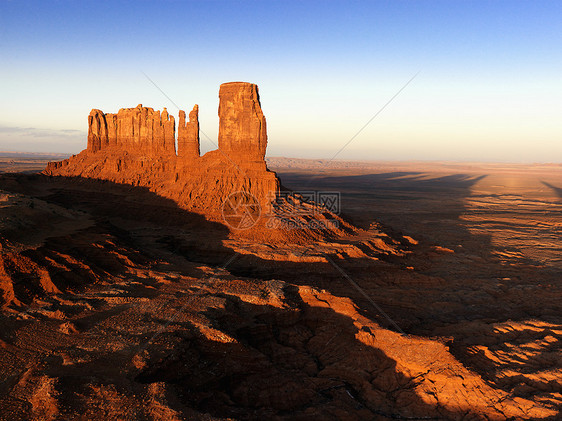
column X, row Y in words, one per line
column 242, row 129
column 138, row 130
column 138, row 146
column 188, row 135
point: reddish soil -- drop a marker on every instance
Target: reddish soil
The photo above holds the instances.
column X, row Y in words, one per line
column 443, row 302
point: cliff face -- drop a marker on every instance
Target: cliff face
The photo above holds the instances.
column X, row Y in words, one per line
column 139, row 129
column 138, row 146
column 188, row 135
column 242, row 130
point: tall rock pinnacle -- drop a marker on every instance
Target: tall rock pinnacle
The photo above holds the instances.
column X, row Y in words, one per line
column 242, row 129
column 188, row 135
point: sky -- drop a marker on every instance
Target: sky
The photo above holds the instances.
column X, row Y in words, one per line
column 487, row 75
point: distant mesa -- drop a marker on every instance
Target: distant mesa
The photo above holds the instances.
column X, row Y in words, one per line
column 138, row 146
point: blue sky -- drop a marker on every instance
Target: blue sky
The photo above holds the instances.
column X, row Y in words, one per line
column 489, row 86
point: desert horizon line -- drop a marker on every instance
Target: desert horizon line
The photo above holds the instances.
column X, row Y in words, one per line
column 354, row 160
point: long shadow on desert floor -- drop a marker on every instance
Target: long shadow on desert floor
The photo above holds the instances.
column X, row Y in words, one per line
column 462, row 297
column 467, row 289
column 111, row 312
column 301, row 361
column 97, row 234
column 556, row 190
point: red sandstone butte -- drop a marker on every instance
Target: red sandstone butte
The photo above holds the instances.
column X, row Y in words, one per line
column 242, row 130
column 137, row 146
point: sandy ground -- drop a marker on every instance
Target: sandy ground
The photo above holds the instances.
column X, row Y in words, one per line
column 445, row 304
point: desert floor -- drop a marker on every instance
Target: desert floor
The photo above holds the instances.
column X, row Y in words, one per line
column 444, row 304
column 498, row 228
column 26, row 162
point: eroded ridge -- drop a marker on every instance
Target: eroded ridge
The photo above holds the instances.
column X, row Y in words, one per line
column 138, row 146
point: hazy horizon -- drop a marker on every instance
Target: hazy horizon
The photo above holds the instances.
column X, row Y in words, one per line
column 63, row 155
column 488, row 88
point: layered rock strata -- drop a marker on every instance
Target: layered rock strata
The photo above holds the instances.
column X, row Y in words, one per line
column 138, row 146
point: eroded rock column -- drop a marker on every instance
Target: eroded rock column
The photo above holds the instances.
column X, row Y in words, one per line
column 188, row 135
column 97, row 131
column 242, row 129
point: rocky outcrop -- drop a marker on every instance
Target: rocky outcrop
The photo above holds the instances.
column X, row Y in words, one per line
column 188, row 135
column 135, row 130
column 242, row 129
column 137, row 146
